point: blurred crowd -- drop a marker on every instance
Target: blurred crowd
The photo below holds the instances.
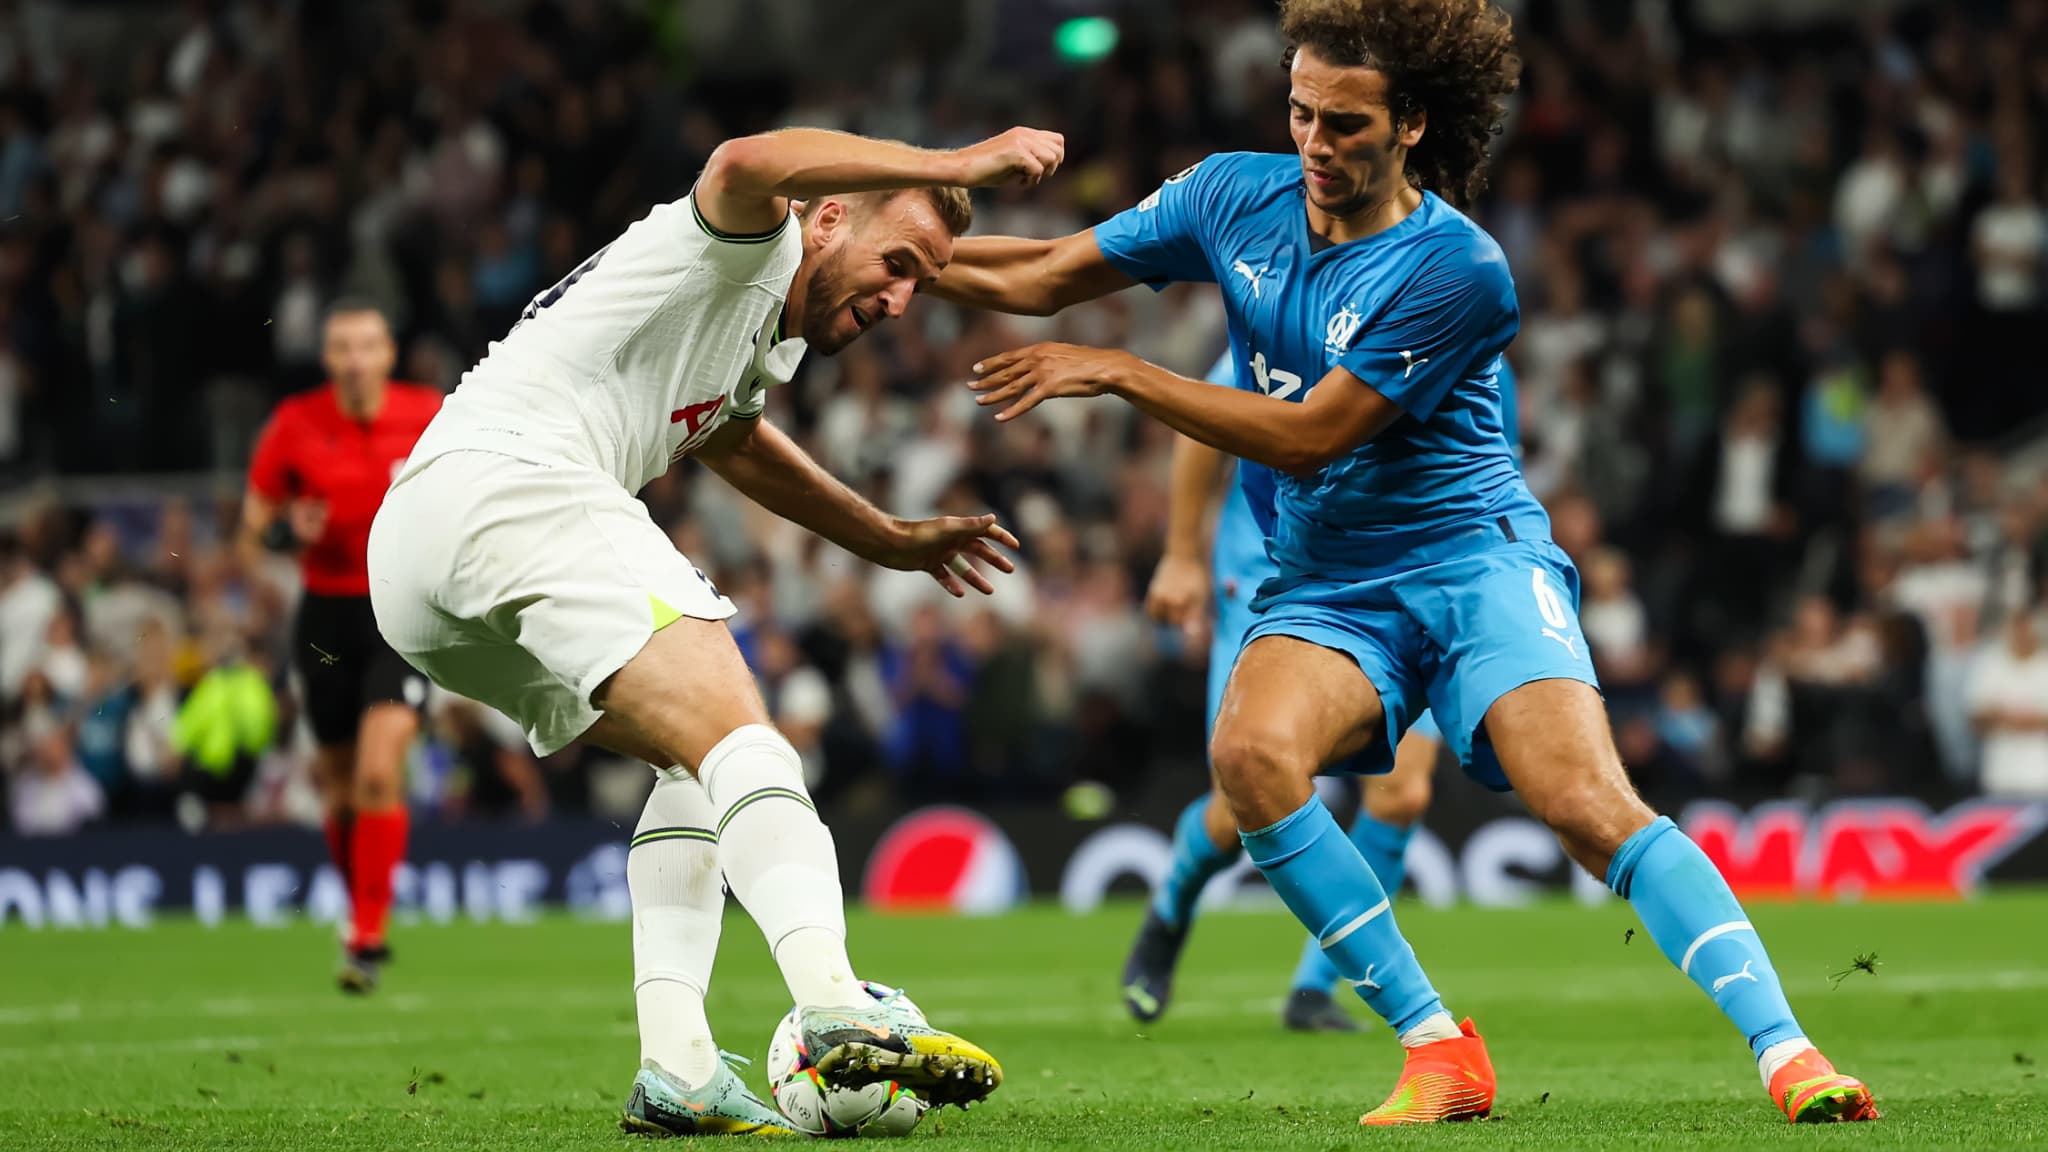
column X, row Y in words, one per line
column 1776, row 297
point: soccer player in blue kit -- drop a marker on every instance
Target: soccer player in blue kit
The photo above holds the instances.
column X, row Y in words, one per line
column 1415, row 569
column 1185, row 584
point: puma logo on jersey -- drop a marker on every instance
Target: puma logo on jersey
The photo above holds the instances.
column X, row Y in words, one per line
column 1409, row 359
column 1571, row 643
column 1251, row 274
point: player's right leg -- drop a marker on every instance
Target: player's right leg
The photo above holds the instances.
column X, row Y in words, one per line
column 689, row 696
column 1293, row 706
column 1391, row 807
column 334, row 776
column 684, row 1087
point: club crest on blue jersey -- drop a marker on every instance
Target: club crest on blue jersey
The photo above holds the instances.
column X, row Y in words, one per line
column 1337, row 334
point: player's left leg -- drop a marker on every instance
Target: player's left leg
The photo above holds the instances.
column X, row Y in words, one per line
column 1556, row 746
column 1512, row 654
column 381, row 825
column 334, row 770
column 1204, row 843
column 1391, row 807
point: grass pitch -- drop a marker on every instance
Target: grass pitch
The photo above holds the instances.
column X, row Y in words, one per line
column 510, row 1037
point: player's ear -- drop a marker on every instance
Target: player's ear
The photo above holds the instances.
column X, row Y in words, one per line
column 1411, row 127
column 829, row 219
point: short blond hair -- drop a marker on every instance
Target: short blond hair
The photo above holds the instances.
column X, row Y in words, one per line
column 955, row 209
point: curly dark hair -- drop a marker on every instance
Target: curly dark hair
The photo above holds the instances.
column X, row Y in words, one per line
column 1452, row 60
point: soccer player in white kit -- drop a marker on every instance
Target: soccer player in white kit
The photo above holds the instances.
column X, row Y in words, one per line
column 511, row 564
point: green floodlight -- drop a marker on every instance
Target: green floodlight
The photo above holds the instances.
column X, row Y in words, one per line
column 1085, row 39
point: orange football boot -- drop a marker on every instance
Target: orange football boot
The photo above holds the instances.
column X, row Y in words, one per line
column 1808, row 1090
column 1442, row 1081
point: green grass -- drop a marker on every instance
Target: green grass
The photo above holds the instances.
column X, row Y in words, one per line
column 521, row 1037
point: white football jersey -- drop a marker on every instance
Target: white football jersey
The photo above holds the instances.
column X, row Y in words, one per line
column 637, row 356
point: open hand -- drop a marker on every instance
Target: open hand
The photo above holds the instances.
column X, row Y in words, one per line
column 952, row 549
column 1021, row 155
column 1019, row 380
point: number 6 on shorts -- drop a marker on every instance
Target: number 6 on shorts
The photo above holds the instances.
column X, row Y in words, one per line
column 1547, row 602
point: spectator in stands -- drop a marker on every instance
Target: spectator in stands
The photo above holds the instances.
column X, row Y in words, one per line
column 929, row 680
column 1905, row 439
column 2009, row 245
column 798, row 698
column 1617, row 630
column 2008, row 699
column 499, row 778
column 149, row 746
column 29, row 602
column 102, row 725
column 225, row 724
column 52, row 795
column 1692, row 758
column 1742, row 515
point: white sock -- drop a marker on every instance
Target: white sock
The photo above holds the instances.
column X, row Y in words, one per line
column 678, row 904
column 1775, row 1057
column 1434, row 1027
column 778, row 857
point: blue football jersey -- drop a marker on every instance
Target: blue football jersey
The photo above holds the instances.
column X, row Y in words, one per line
column 1420, row 312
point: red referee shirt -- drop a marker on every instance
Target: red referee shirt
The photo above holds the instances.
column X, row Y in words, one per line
column 310, row 450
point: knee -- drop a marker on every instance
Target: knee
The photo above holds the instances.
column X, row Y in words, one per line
column 1592, row 819
column 1239, row 756
column 1251, row 762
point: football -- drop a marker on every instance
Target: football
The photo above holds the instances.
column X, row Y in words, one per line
column 818, row 1109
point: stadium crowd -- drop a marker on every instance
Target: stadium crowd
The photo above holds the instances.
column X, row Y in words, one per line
column 1776, row 296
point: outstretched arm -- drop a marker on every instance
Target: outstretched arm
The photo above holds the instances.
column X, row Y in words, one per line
column 1159, row 241
column 1340, row 412
column 1452, row 315
column 748, row 182
column 770, row 469
column 1028, row 277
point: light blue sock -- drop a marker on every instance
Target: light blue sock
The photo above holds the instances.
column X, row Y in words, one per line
column 1697, row 924
column 1385, row 848
column 1195, row 861
column 1326, row 884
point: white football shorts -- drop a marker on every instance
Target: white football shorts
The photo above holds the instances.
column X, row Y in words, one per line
column 524, row 586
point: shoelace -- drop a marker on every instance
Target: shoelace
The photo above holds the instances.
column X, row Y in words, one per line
column 895, row 994
column 735, row 1061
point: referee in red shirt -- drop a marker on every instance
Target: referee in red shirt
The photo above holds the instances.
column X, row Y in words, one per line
column 320, row 470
